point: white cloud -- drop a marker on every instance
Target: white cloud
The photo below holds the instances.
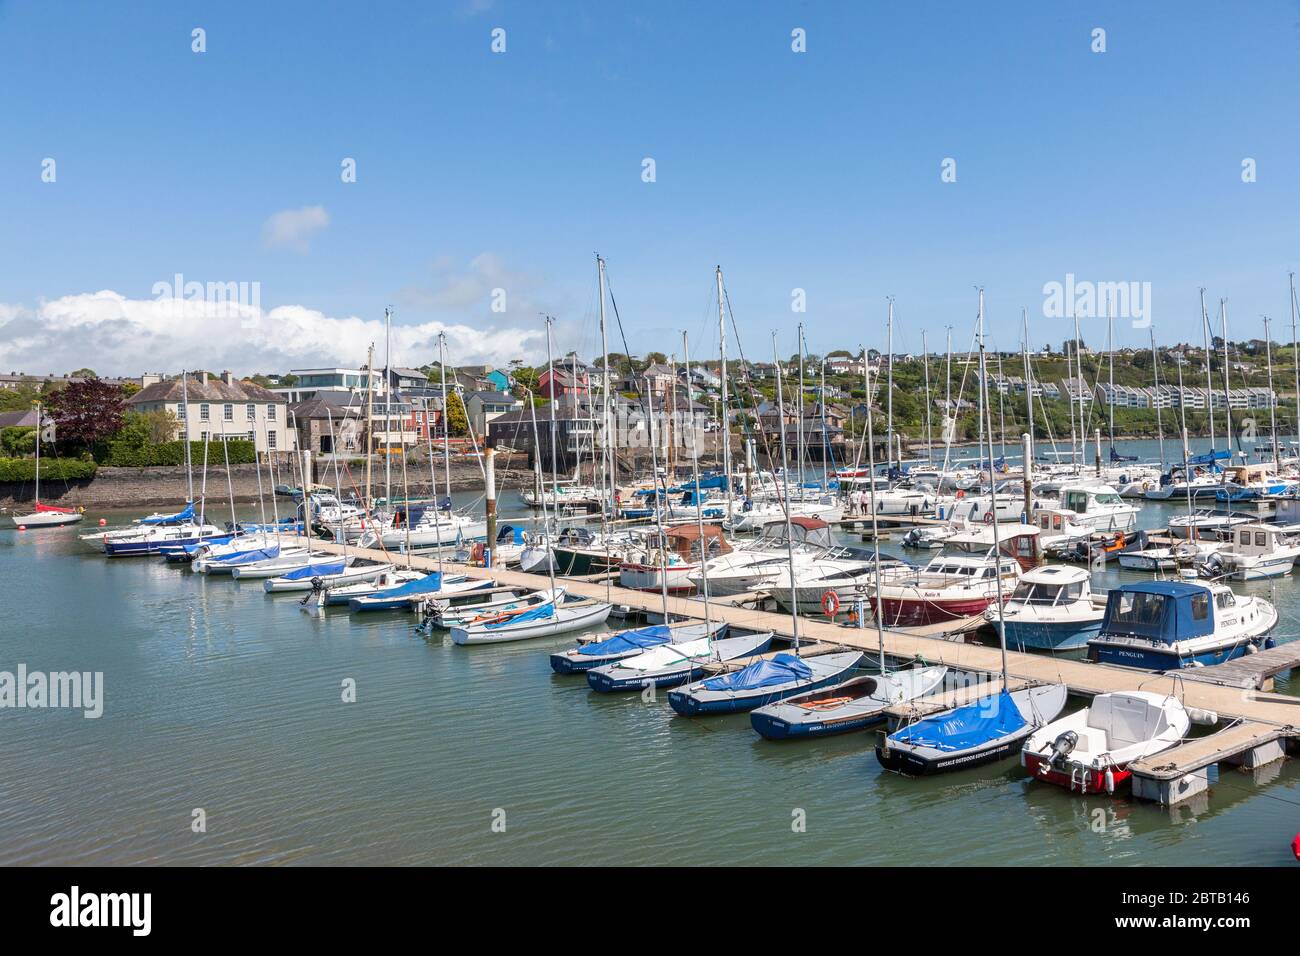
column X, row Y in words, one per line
column 116, row 335
column 294, row 228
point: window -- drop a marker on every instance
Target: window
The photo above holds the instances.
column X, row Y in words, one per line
column 1245, row 537
column 270, row 412
column 228, row 413
column 1200, row 606
column 1261, row 538
column 252, row 436
column 252, row 413
column 270, row 436
column 180, row 412
column 204, row 413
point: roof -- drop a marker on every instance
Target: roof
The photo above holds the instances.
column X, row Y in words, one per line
column 490, row 396
column 1056, row 574
column 1170, row 588
column 320, row 407
column 20, row 419
column 812, row 524
column 216, row 390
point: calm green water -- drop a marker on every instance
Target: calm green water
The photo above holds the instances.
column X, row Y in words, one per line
column 220, row 696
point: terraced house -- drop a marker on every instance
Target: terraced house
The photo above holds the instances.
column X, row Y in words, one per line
column 220, row 407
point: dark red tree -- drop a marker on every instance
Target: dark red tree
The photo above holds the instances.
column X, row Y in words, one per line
column 88, row 412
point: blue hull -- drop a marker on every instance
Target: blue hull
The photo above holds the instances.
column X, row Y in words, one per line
column 379, row 603
column 688, row 705
column 563, row 664
column 1050, row 637
column 132, row 548
column 770, row 728
column 1154, row 660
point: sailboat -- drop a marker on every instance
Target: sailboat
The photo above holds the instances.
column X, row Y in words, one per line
column 762, row 682
column 630, row 643
column 45, row 516
column 993, row 726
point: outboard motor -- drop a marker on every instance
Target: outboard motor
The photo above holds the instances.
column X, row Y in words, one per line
column 1062, row 746
column 1212, row 565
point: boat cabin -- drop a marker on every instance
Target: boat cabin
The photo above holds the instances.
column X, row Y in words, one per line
column 1164, row 611
column 1053, row 585
column 1019, row 541
column 1259, row 538
column 684, row 541
column 804, row 533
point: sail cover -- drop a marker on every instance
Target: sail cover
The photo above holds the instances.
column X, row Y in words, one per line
column 782, row 669
column 629, row 641
column 539, row 613
column 248, row 556
column 428, row 584
column 1209, row 458
column 966, row 727
column 177, row 518
column 314, row 570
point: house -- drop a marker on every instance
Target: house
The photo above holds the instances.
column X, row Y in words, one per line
column 325, row 427
column 220, row 407
column 499, row 380
column 343, row 382
column 482, row 408
column 557, row 382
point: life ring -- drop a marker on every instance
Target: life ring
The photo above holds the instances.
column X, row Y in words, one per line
column 988, row 518
column 960, row 494
column 830, row 603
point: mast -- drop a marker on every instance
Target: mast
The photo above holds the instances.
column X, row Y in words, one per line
column 370, row 426
column 433, row 483
column 446, row 434
column 1272, row 403
column 38, row 453
column 660, row 503
column 889, row 382
column 1078, row 370
column 789, row 533
column 1209, row 382
column 929, row 437
column 1227, row 392
column 875, row 533
column 341, row 534
column 799, row 450
column 1069, row 375
column 185, row 406
column 1295, row 360
column 1110, row 349
column 555, row 468
column 993, row 493
column 726, row 418
column 1029, row 397
column 950, row 418
column 1155, row 367
column 537, row 462
column 607, row 459
column 388, row 408
column 230, row 484
column 699, row 506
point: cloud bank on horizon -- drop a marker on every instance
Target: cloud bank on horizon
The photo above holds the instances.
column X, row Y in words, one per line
column 117, row 335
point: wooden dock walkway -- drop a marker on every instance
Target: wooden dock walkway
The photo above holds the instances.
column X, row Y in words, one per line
column 1254, row 671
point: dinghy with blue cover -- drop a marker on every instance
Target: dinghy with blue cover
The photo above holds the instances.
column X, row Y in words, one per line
column 762, row 682
column 342, row 594
column 404, row 596
column 289, row 559
column 990, row 729
column 624, row 644
column 561, row 614
column 1165, row 625
column 855, row 704
column 669, row 665
column 177, row 553
column 334, row 573
column 225, row 560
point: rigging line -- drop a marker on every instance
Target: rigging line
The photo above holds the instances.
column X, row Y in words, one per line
column 749, row 379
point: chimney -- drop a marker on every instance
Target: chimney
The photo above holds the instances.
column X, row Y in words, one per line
column 205, row 378
column 228, row 377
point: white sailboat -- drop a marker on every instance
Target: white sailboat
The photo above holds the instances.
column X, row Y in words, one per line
column 44, row 516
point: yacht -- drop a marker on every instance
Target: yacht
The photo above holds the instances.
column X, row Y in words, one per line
column 1052, row 609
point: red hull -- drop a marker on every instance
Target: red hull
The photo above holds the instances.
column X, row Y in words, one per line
column 911, row 613
column 1090, row 782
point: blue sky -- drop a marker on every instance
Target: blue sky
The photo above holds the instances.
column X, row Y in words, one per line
column 477, row 170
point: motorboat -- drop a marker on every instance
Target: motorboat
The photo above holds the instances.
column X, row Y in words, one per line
column 759, row 562
column 854, row 704
column 1053, row 608
column 1092, row 750
column 1204, row 523
column 1166, row 625
column 1098, row 507
column 670, row 558
column 1256, row 550
column 848, row 573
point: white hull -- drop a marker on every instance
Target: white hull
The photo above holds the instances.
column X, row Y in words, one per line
column 352, row 575
column 567, row 618
column 46, row 519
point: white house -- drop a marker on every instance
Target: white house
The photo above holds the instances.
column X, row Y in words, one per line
column 220, row 407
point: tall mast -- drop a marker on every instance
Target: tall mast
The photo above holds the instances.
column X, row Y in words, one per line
column 185, row 407
column 993, row 493
column 929, row 437
column 1295, row 360
column 950, row 418
column 695, row 473
column 1227, row 392
column 38, row 453
column 1272, row 405
column 1110, row 349
column 1155, row 367
column 1070, row 364
column 1209, row 382
column 789, row 544
column 1029, row 392
column 446, row 428
column 555, row 468
column 799, row 450
column 607, row 477
column 370, row 426
column 660, row 502
column 726, row 418
column 889, row 384
column 388, row 408
column 875, row 530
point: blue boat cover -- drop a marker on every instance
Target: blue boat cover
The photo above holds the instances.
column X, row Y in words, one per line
column 510, row 533
column 1116, row 456
column 428, row 584
column 313, row 570
column 640, row 638
column 249, row 556
column 781, row 669
column 1209, row 458
column 1164, row 611
column 539, row 613
column 966, row 727
column 177, row 518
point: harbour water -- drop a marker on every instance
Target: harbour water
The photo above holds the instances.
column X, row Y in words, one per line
column 221, row 697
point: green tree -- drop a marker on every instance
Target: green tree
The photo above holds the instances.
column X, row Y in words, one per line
column 17, row 441
column 457, row 420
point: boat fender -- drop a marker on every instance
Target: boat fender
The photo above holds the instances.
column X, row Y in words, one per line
column 1295, row 846
column 1205, row 718
column 1110, row 780
column 1252, row 649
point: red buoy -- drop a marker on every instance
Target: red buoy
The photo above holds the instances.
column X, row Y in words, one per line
column 1295, row 846
column 102, row 522
column 22, row 527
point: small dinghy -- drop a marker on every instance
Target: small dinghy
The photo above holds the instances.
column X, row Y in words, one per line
column 457, row 605
column 405, row 594
column 343, row 593
column 558, row 615
column 762, row 682
column 625, row 644
column 333, row 574
column 669, row 665
column 855, row 704
column 985, row 731
column 288, row 561
column 224, row 559
column 1090, row 751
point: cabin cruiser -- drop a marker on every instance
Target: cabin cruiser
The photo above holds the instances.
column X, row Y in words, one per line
column 753, row 515
column 1092, row 750
column 1185, row 554
column 848, row 573
column 1098, row 507
column 1165, row 625
column 1204, row 480
column 1251, row 482
column 1060, row 530
column 1256, row 550
column 578, row 550
column 669, row 560
column 758, row 563
column 962, row 580
column 1053, row 609
column 562, row 496
column 1204, row 523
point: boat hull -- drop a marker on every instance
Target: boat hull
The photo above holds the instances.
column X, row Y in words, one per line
column 906, row 612
column 689, row 704
column 911, row 764
column 46, row 519
column 1089, row 781
column 772, row 727
column 1153, row 659
column 564, row 621
column 1036, row 635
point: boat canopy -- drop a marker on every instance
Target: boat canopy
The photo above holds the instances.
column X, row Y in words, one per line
column 1164, row 611
column 1209, row 458
column 966, row 727
column 177, row 518
column 638, row 639
column 540, row 613
column 781, row 669
column 429, row 584
column 314, row 570
column 248, row 555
